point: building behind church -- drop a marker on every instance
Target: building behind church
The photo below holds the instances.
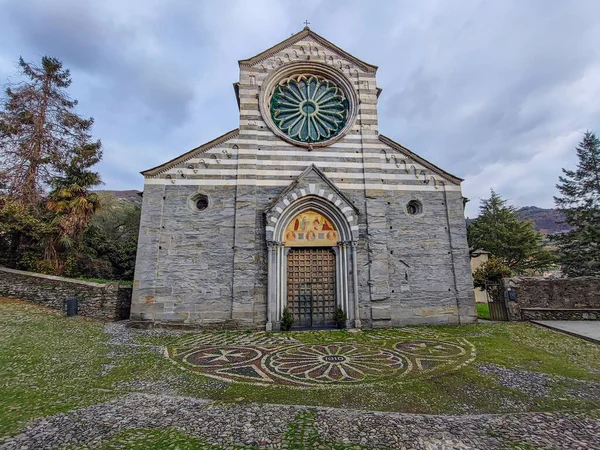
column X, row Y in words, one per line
column 304, row 206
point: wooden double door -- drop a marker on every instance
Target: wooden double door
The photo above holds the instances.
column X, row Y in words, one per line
column 311, row 279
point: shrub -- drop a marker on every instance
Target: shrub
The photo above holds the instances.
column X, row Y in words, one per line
column 287, row 320
column 490, row 272
column 340, row 318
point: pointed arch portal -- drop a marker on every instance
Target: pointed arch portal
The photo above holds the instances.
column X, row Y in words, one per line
column 312, row 263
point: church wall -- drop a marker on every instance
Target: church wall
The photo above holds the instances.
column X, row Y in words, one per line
column 179, row 272
column 422, row 281
column 143, row 301
column 411, row 269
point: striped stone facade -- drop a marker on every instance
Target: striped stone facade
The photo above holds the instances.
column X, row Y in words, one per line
column 224, row 267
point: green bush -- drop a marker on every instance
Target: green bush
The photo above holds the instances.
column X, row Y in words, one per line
column 340, row 318
column 490, row 272
column 287, row 320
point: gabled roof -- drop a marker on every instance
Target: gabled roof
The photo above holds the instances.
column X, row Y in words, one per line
column 387, row 141
column 188, row 155
column 306, row 32
column 311, row 169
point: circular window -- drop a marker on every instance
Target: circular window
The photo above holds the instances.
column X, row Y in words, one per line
column 308, row 104
column 201, row 203
column 414, row 207
column 309, row 108
column 198, row 202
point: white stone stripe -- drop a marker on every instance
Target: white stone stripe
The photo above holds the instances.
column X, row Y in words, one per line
column 312, row 154
column 352, row 136
column 246, row 122
column 298, row 163
column 342, row 144
column 343, row 186
column 296, row 173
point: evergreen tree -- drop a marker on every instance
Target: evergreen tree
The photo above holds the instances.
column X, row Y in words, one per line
column 73, row 202
column 579, row 249
column 514, row 243
column 39, row 129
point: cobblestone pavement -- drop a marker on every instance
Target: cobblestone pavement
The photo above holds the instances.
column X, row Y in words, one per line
column 536, row 384
column 216, row 425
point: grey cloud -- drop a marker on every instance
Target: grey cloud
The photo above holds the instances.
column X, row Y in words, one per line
column 495, row 92
column 87, row 38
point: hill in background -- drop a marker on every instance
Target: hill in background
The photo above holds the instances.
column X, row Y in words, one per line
column 132, row 196
column 546, row 221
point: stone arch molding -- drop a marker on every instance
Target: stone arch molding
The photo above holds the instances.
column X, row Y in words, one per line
column 343, row 215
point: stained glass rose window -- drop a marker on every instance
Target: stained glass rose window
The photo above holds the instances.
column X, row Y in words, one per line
column 308, row 108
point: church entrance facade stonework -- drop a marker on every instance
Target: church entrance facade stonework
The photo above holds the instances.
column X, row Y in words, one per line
column 304, row 206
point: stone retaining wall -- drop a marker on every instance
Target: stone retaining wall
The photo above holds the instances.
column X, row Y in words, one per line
column 553, row 298
column 560, row 314
column 110, row 301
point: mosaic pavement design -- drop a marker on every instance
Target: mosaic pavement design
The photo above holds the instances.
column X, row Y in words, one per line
column 278, row 359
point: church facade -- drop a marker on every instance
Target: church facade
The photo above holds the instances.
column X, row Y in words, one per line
column 304, row 207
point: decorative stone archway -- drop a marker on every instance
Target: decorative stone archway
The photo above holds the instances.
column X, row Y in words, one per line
column 326, row 200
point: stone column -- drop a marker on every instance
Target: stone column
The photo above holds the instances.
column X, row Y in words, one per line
column 345, row 245
column 285, row 250
column 280, row 275
column 341, row 264
column 271, row 289
column 338, row 276
column 357, row 323
column 343, row 281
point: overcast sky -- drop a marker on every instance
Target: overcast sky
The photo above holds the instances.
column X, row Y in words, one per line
column 496, row 92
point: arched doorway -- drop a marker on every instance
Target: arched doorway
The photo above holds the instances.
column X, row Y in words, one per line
column 311, row 262
column 311, row 270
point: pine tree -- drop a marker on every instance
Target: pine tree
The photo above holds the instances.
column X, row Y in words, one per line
column 39, row 129
column 579, row 249
column 514, row 243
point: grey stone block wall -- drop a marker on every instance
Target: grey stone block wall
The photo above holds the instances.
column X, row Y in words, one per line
column 198, row 270
column 575, row 298
column 185, row 257
column 108, row 301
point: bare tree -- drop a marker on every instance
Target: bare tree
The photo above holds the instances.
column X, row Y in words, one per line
column 39, row 130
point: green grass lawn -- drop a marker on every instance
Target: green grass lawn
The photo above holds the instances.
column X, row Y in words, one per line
column 50, row 364
column 103, row 281
column 483, row 311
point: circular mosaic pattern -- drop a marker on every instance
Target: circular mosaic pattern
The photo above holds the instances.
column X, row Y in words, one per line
column 334, row 363
column 222, row 356
column 309, row 108
column 270, row 359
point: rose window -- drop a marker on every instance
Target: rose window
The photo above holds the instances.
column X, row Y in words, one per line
column 308, row 108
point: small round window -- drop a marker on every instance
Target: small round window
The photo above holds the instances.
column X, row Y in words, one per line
column 201, row 203
column 198, row 202
column 414, row 207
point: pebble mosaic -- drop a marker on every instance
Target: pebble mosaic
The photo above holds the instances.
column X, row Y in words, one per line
column 271, row 359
